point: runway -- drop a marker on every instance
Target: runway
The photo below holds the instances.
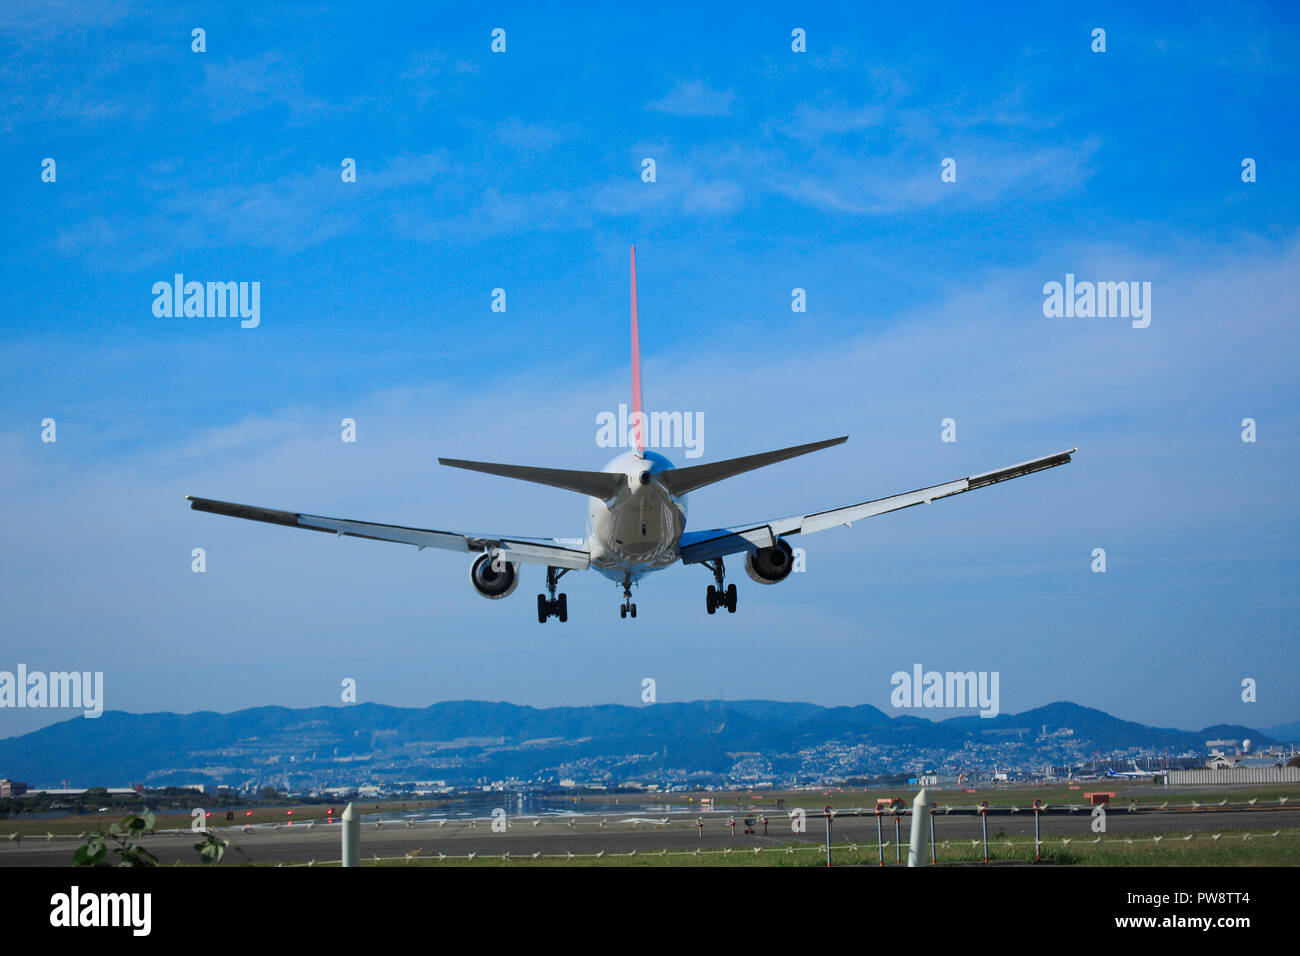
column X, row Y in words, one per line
column 585, row 835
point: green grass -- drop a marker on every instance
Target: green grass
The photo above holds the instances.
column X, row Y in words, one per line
column 1234, row 848
column 1124, row 790
column 180, row 819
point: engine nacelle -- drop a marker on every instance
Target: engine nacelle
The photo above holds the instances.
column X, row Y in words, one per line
column 770, row 565
column 491, row 583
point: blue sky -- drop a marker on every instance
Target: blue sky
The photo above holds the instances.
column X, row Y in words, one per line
column 775, row 170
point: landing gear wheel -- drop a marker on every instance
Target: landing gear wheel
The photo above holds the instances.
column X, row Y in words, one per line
column 721, row 595
column 548, row 605
column 628, row 608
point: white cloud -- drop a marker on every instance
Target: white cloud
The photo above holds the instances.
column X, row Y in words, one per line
column 233, row 89
column 292, row 213
column 694, row 98
column 528, row 137
column 815, row 121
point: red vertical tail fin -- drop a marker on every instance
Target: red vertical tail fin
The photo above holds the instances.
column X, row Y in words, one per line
column 638, row 416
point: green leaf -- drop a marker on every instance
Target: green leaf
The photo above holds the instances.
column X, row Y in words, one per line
column 211, row 848
column 92, row 854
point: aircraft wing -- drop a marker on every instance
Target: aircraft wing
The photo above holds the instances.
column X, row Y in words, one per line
column 555, row 552
column 697, row 546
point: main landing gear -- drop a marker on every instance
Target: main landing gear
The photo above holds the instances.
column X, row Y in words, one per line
column 718, row 596
column 628, row 607
column 553, row 606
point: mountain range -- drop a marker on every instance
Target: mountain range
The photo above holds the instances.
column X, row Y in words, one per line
column 472, row 741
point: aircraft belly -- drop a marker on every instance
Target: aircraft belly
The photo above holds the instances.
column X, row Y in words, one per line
column 639, row 534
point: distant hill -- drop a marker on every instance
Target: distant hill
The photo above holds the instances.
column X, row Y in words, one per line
column 1288, row 732
column 1105, row 732
column 464, row 741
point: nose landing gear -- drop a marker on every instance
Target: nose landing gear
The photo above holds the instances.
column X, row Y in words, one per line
column 552, row 606
column 720, row 596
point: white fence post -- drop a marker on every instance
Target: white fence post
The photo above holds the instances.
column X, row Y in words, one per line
column 916, row 848
column 351, row 837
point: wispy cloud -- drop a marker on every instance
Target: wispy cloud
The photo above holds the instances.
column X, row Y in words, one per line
column 233, row 89
column 430, row 75
column 694, row 98
column 986, row 172
column 36, row 22
column 528, row 137
column 431, row 63
column 815, row 121
column 292, row 213
column 247, row 436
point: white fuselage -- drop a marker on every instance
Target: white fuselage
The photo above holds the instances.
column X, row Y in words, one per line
column 637, row 530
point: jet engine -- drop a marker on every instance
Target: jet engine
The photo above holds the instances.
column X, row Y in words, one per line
column 770, row 565
column 491, row 583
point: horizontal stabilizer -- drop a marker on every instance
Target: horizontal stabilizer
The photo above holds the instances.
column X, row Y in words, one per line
column 679, row 481
column 597, row 484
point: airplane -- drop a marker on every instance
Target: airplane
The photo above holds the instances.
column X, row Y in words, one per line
column 1135, row 773
column 636, row 518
